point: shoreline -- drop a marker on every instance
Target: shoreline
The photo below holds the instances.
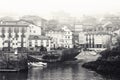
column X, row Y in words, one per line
column 107, row 65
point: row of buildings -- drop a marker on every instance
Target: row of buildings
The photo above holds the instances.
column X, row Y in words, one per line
column 23, row 34
column 100, row 36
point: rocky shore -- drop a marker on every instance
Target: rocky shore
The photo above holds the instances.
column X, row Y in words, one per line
column 107, row 63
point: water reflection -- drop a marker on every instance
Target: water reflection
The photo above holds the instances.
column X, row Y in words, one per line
column 13, row 75
column 63, row 72
column 56, row 72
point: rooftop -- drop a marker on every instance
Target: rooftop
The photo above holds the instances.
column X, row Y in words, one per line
column 15, row 23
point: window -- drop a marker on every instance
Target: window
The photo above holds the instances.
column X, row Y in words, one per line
column 9, row 36
column 47, row 42
column 68, row 37
column 65, row 36
column 36, row 43
column 30, row 43
column 36, row 37
column 16, row 35
column 99, row 45
column 3, row 35
column 41, row 42
column 23, row 35
column 3, row 30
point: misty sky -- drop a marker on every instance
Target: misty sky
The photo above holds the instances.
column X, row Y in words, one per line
column 46, row 7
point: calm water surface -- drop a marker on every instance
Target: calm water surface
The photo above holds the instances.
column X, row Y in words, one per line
column 56, row 72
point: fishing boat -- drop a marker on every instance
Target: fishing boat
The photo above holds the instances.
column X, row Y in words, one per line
column 61, row 55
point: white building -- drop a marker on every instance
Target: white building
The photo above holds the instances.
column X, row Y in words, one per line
column 78, row 27
column 38, row 41
column 67, row 37
column 34, row 30
column 13, row 34
column 56, row 36
column 95, row 39
column 60, row 37
column 18, row 34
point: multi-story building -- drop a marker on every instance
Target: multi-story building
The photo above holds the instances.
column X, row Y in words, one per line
column 60, row 37
column 34, row 30
column 67, row 37
column 19, row 34
column 56, row 35
column 13, row 34
column 36, row 41
column 95, row 40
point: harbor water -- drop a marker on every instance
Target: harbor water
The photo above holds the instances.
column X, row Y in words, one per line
column 56, row 72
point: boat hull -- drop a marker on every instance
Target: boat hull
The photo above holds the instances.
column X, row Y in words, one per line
column 61, row 55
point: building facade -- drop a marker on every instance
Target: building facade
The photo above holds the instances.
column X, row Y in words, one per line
column 34, row 30
column 95, row 39
column 13, row 34
column 36, row 41
column 67, row 37
column 60, row 37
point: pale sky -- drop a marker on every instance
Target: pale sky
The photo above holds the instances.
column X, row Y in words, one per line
column 45, row 7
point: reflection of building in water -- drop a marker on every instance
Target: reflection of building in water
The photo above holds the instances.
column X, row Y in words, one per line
column 94, row 39
column 14, row 76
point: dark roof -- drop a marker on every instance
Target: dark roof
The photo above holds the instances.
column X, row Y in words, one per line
column 38, row 37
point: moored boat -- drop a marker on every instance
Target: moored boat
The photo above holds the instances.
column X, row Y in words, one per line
column 61, row 55
column 37, row 64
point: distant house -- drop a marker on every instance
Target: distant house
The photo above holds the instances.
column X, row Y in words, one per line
column 67, row 37
column 94, row 39
column 61, row 37
column 34, row 30
column 36, row 41
column 19, row 33
column 13, row 34
column 78, row 27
